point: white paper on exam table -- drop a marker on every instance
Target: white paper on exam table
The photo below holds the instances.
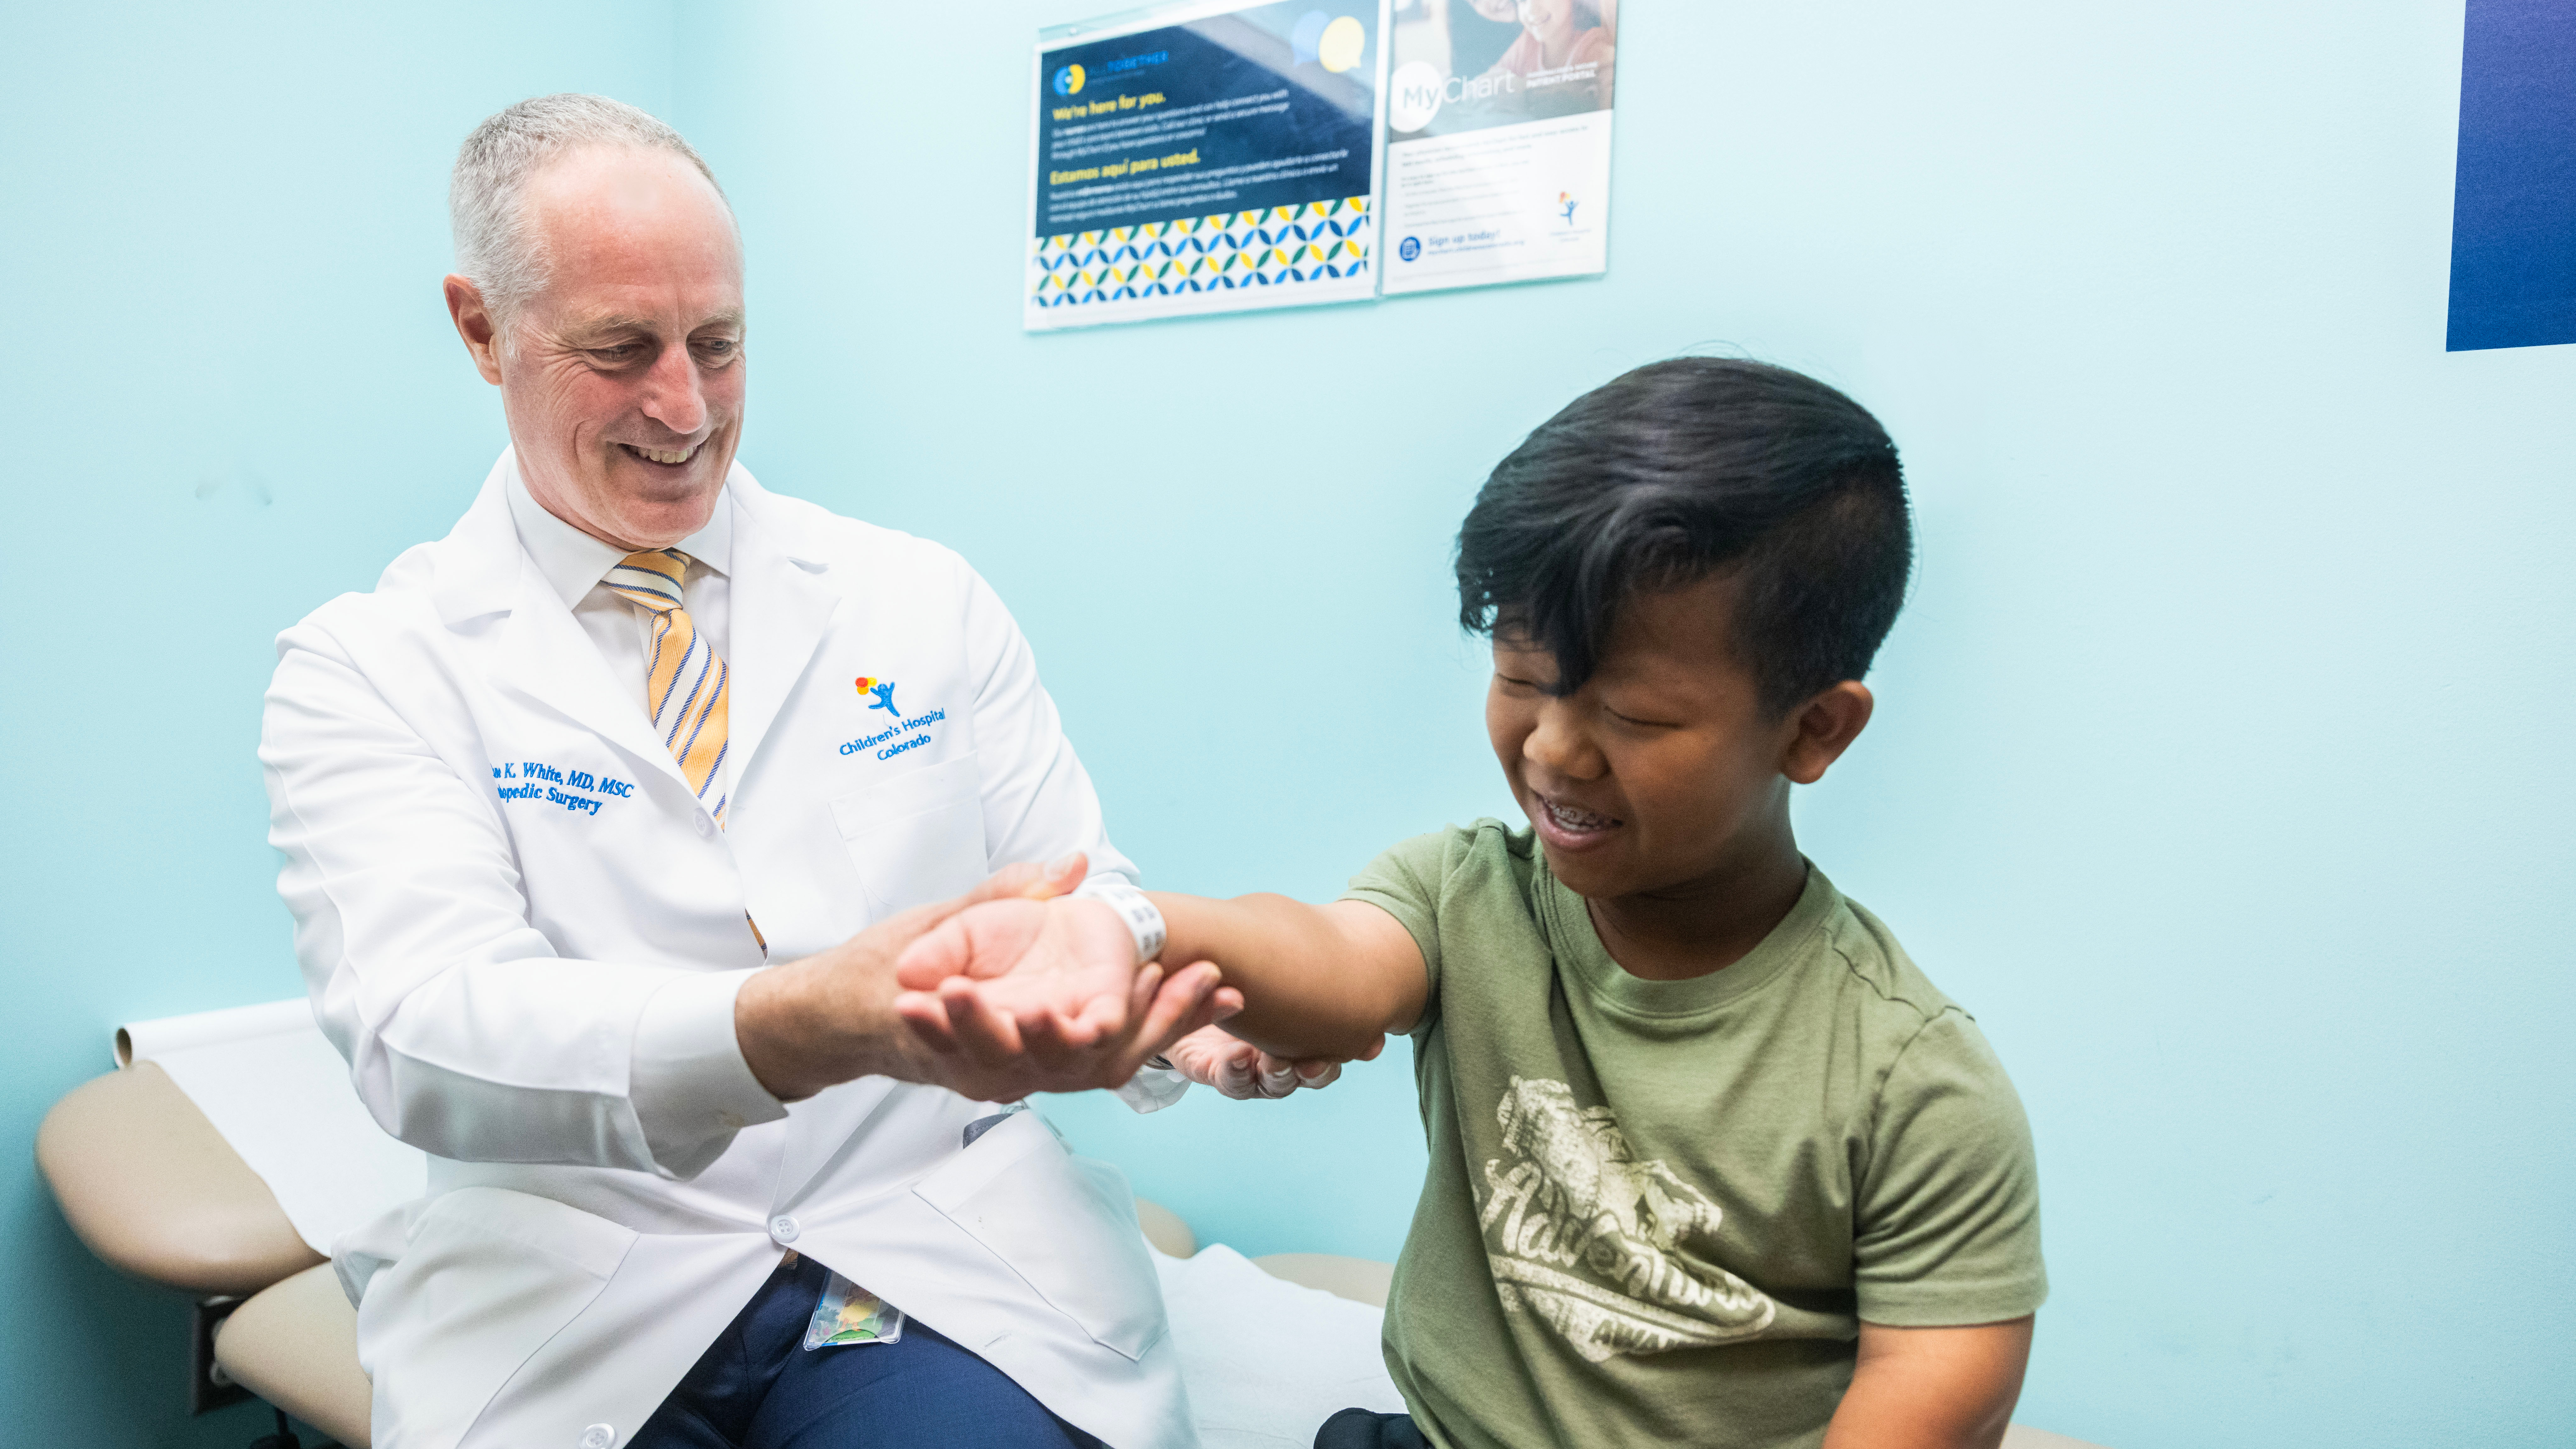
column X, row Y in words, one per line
column 279, row 1093
column 1268, row 1361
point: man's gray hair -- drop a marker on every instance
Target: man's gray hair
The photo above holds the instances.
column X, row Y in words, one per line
column 496, row 247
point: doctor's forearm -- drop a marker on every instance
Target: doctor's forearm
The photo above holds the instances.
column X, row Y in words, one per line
column 827, row 1019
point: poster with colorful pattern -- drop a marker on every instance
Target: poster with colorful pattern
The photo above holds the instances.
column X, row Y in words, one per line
column 1211, row 157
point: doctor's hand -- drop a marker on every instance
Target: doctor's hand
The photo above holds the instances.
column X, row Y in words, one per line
column 1214, row 1057
column 1049, row 994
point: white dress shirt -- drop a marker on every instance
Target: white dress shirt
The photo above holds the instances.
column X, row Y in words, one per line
column 575, row 564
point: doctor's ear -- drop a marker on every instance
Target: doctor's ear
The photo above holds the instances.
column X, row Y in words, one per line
column 476, row 324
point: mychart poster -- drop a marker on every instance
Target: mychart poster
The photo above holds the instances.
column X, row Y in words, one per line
column 1204, row 158
column 1498, row 141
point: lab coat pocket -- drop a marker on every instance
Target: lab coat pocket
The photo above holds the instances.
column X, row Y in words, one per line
column 919, row 836
column 486, row 1278
column 1065, row 1224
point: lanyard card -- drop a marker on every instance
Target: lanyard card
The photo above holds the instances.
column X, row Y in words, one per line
column 848, row 1313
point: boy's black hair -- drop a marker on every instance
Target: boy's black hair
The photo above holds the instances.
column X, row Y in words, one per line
column 1683, row 469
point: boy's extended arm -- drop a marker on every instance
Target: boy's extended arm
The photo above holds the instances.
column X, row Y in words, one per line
column 1932, row 1388
column 1317, row 981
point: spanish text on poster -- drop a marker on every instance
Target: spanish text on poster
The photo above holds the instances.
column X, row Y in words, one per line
column 1204, row 158
column 1498, row 141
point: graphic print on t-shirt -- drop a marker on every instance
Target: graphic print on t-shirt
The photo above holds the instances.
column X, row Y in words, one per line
column 1590, row 1241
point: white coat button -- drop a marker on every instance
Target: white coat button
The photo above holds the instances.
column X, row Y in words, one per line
column 783, row 1229
column 598, row 1436
column 705, row 826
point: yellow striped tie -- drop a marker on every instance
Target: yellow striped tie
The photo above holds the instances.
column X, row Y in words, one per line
column 684, row 681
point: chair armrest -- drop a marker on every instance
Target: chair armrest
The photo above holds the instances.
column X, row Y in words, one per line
column 1356, row 1279
column 1164, row 1229
column 151, row 1188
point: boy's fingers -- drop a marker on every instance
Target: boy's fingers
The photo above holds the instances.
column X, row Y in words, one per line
column 1064, row 873
column 988, row 1035
column 1223, row 1002
column 1042, row 1036
column 934, row 955
column 1140, row 991
column 1109, row 1013
column 1236, row 1079
column 1027, row 880
column 1318, row 1073
column 922, row 1011
column 1190, row 1000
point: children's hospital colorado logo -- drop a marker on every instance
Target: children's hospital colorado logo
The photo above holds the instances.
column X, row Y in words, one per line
column 1596, row 1244
column 887, row 743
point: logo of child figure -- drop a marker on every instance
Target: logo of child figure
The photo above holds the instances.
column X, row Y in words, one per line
column 883, row 742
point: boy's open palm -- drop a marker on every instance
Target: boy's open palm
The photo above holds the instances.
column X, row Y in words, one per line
column 1053, row 985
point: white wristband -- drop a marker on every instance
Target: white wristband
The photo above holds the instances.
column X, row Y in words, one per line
column 1143, row 921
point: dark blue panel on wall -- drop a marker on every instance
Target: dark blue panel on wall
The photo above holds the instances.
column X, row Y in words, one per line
column 2513, row 218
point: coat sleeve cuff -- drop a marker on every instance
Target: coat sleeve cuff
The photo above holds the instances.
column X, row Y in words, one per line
column 691, row 1088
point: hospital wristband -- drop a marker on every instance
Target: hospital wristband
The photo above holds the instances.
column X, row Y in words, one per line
column 1142, row 919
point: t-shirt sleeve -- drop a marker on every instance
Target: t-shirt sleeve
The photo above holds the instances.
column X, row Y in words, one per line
column 1405, row 883
column 1948, row 1201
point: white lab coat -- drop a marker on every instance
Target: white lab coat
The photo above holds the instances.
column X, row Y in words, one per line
column 525, row 935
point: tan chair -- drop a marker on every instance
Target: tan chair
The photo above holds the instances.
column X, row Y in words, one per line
column 150, row 1187
column 153, row 1189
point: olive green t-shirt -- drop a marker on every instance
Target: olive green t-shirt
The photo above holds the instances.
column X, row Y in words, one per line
column 1658, row 1210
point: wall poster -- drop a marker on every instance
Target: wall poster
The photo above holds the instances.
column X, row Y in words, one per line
column 1206, row 157
column 1498, row 141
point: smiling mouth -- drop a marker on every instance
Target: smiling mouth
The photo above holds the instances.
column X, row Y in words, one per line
column 667, row 457
column 1572, row 823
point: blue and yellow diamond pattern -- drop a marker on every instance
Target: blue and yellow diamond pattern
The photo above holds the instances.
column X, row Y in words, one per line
column 1274, row 246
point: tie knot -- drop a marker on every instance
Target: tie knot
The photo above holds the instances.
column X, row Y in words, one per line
column 650, row 578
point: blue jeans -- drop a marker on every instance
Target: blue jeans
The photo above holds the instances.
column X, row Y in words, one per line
column 758, row 1387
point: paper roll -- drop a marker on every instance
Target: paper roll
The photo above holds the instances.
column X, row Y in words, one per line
column 144, row 1041
column 279, row 1093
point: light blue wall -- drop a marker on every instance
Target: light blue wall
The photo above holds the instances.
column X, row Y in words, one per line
column 2214, row 767
column 231, row 393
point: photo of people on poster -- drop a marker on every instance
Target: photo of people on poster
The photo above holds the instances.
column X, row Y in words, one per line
column 1512, row 60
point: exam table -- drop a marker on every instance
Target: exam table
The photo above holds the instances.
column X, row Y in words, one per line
column 152, row 1187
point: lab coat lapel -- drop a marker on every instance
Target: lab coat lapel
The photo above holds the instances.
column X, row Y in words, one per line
column 545, row 656
column 781, row 607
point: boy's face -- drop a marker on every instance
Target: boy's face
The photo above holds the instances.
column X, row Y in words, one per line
column 1663, row 771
